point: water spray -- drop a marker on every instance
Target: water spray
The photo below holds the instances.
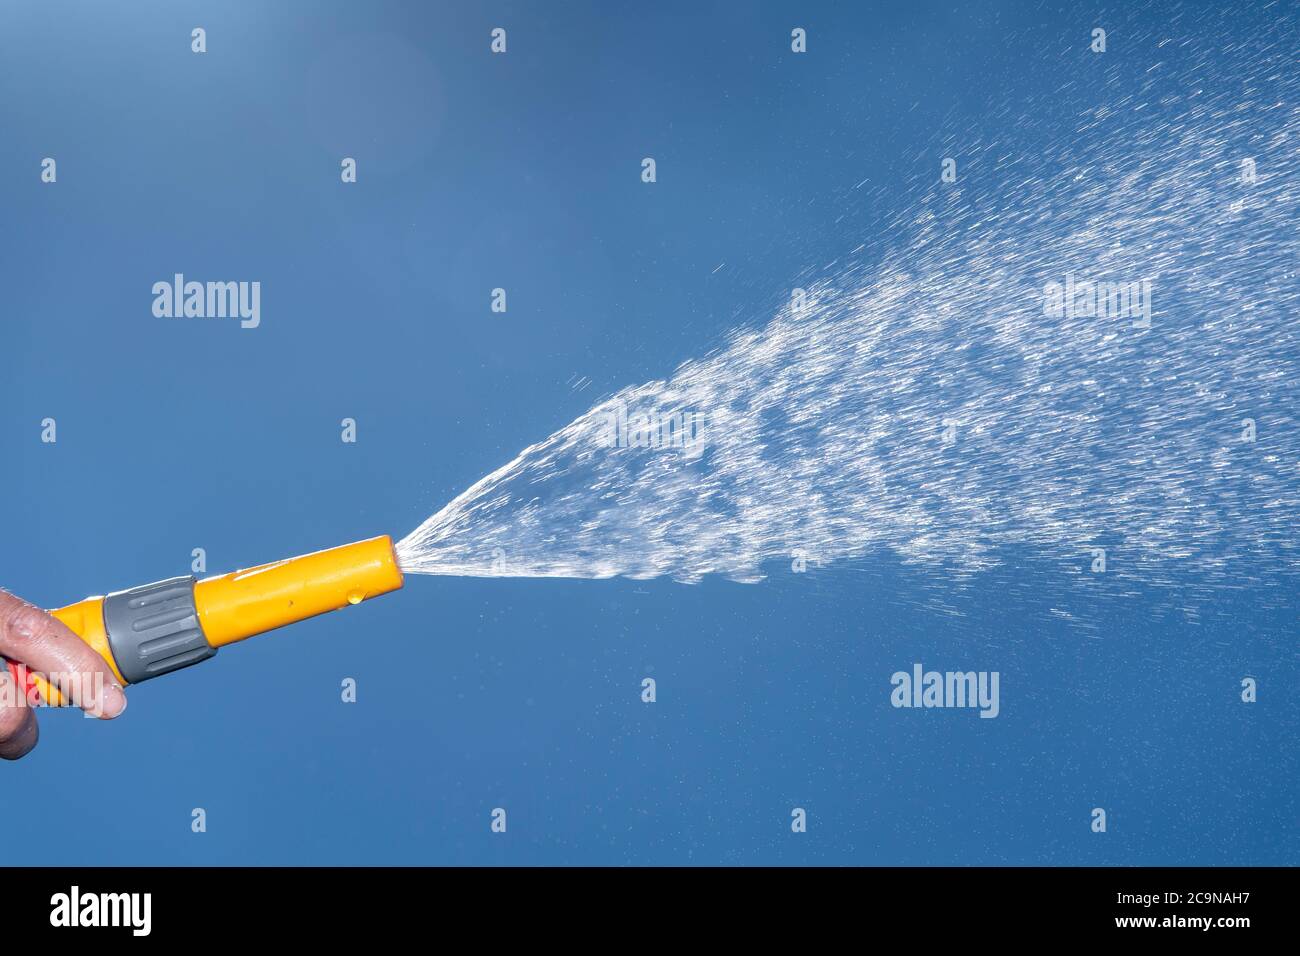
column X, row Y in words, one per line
column 159, row 628
column 1089, row 359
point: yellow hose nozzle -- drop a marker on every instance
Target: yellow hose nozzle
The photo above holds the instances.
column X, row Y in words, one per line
column 244, row 603
column 149, row 631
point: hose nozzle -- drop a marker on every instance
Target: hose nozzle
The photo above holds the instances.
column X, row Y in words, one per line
column 155, row 629
column 244, row 603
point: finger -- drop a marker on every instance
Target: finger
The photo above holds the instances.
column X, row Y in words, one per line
column 49, row 647
column 18, row 731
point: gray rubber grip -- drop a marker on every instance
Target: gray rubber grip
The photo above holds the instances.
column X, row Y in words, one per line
column 154, row 629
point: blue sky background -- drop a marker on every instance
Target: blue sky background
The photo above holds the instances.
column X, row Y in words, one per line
column 523, row 171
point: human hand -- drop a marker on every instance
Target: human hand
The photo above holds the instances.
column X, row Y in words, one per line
column 47, row 646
